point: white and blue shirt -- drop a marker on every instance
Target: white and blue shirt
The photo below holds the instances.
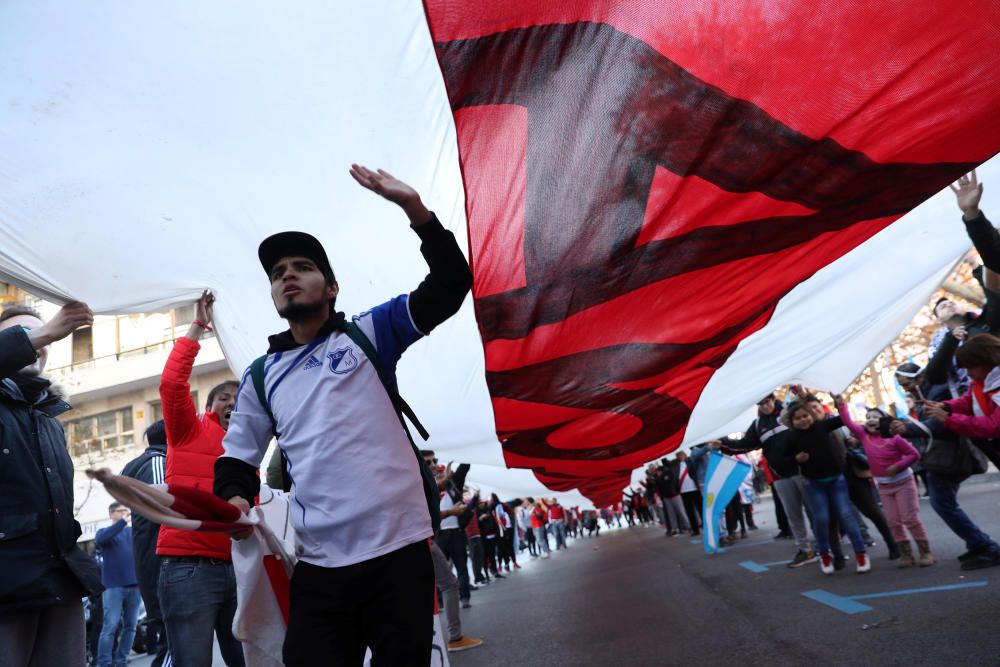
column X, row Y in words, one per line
column 357, row 492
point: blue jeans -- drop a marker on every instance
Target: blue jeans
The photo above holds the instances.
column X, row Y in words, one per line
column 542, row 537
column 121, row 604
column 559, row 529
column 944, row 501
column 197, row 598
column 824, row 496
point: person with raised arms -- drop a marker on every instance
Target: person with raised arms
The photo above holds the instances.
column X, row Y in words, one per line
column 327, row 389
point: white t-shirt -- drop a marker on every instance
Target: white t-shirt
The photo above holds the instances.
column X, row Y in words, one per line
column 356, row 490
column 446, row 504
column 688, row 484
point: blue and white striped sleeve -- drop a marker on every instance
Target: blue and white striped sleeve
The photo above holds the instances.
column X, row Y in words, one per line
column 391, row 329
column 156, row 468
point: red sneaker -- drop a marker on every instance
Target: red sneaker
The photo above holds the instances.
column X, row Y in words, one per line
column 864, row 562
column 826, row 563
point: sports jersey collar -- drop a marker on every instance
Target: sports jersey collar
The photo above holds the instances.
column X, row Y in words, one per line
column 285, row 341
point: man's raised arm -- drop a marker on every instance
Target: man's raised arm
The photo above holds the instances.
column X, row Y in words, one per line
column 441, row 293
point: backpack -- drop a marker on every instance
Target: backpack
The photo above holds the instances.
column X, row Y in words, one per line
column 402, row 408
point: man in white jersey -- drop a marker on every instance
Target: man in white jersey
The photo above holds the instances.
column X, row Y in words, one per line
column 364, row 576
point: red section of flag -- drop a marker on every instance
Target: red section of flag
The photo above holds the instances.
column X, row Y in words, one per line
column 280, row 584
column 683, row 168
column 496, row 138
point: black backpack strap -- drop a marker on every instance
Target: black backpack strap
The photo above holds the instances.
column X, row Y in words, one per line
column 355, row 333
column 430, row 483
column 257, row 376
column 277, row 462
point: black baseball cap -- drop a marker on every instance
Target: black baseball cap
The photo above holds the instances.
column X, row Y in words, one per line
column 293, row 244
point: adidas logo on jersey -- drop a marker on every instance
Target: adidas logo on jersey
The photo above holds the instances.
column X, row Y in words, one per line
column 312, row 362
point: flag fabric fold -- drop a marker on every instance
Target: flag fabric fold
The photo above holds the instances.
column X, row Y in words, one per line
column 670, row 208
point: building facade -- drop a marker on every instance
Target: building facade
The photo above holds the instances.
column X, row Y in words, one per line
column 110, row 374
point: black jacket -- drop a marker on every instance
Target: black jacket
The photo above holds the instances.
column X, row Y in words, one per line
column 825, row 459
column 668, row 480
column 40, row 563
column 148, row 467
column 768, row 434
column 987, row 243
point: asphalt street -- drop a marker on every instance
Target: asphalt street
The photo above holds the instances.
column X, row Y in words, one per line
column 635, row 597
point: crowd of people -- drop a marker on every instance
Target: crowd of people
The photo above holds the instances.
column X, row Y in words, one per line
column 828, row 471
column 364, row 569
column 485, row 536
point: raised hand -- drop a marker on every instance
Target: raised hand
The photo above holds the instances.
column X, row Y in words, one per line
column 70, row 317
column 205, row 307
column 204, row 311
column 968, row 192
column 389, row 187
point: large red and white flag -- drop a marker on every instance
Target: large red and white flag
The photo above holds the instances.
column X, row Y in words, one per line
column 671, row 207
column 646, row 181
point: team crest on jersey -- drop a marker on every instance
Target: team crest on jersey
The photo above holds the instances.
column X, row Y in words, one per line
column 342, row 361
column 311, row 362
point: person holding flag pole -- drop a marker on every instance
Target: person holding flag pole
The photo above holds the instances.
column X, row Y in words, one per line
column 722, row 480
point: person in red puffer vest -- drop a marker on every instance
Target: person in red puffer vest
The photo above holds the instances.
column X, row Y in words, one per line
column 197, row 586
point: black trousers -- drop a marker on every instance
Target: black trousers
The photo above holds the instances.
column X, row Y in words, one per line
column 779, row 514
column 734, row 515
column 454, row 544
column 490, row 554
column 476, row 554
column 508, row 539
column 386, row 604
column 692, row 507
column 862, row 495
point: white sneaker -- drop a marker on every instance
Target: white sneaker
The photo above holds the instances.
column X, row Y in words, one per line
column 864, row 562
column 826, row 563
column 545, row 555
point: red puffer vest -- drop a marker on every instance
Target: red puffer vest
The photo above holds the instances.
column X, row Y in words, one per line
column 194, row 442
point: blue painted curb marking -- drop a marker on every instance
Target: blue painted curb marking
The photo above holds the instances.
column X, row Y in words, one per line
column 848, row 603
column 757, row 568
column 722, row 550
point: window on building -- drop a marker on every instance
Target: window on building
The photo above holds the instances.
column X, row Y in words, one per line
column 102, row 432
column 184, row 316
column 156, row 407
column 83, row 345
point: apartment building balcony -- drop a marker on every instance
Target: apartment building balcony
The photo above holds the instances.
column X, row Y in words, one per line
column 128, row 370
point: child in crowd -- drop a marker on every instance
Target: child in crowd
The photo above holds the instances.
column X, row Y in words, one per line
column 826, row 488
column 890, row 458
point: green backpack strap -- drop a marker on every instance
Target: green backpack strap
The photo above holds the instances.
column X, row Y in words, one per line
column 257, row 375
column 277, row 468
column 431, row 492
column 355, row 333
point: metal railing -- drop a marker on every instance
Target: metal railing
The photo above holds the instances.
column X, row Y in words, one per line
column 107, row 359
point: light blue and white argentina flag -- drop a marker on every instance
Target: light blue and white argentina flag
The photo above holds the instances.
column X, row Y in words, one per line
column 722, row 480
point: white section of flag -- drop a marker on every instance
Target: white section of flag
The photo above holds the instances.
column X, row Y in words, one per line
column 148, row 148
